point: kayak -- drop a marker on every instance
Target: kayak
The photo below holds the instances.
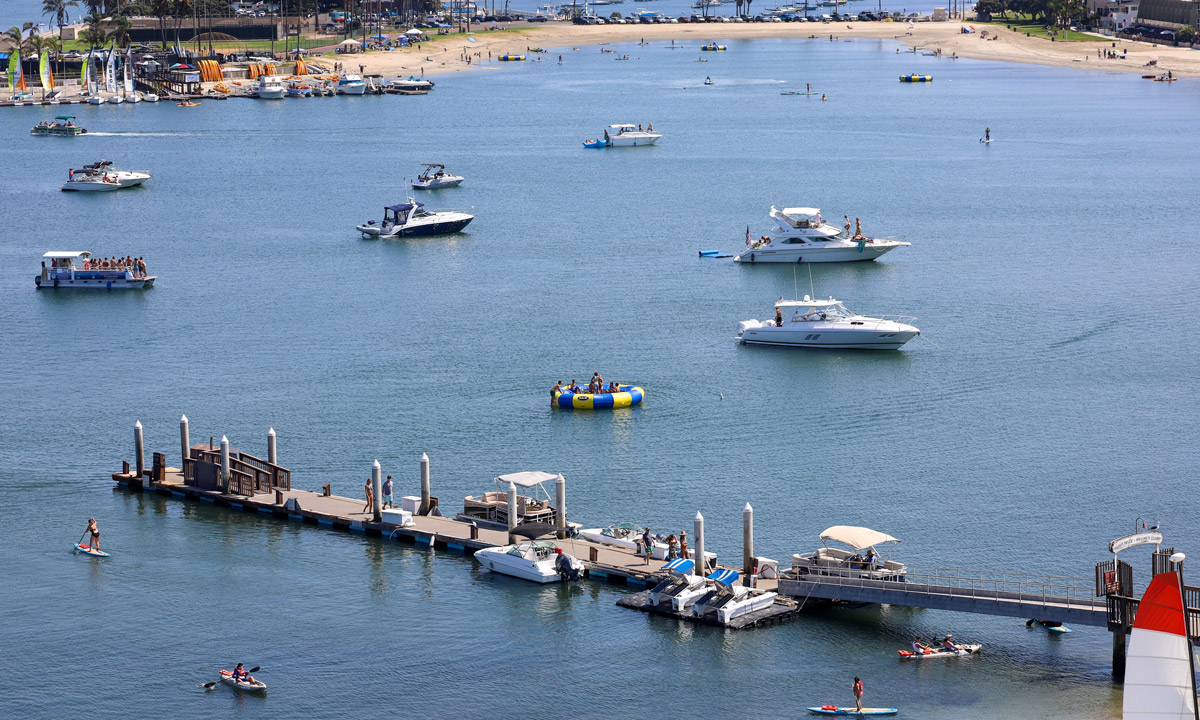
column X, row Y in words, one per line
column 962, row 650
column 87, row 550
column 1059, row 628
column 256, row 686
column 835, row 710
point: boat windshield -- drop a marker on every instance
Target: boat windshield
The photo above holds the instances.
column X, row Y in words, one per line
column 825, row 312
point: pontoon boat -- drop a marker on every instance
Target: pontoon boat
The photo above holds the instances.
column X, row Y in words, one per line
column 66, row 270
column 827, row 323
column 851, row 563
column 63, row 126
column 490, row 509
column 802, row 235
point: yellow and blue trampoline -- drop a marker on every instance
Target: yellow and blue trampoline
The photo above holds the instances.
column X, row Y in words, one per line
column 712, row 47
column 916, row 78
column 600, row 401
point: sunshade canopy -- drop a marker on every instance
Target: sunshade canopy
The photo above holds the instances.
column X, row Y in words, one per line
column 525, row 479
column 856, row 537
column 533, row 530
column 725, row 576
column 403, row 208
column 679, row 566
column 66, row 254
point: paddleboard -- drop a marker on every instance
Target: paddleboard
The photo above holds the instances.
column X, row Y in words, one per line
column 87, row 550
column 833, row 710
column 985, row 141
column 1054, row 628
column 256, row 686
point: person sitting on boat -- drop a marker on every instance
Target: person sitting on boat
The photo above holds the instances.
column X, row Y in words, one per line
column 650, row 127
column 872, row 559
column 948, row 643
column 240, row 674
column 919, row 647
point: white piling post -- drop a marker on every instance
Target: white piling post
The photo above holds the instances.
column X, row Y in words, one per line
column 560, row 506
column 139, row 450
column 512, row 506
column 185, row 443
column 698, row 538
column 747, row 539
column 272, row 456
column 377, row 492
column 424, row 509
column 224, row 464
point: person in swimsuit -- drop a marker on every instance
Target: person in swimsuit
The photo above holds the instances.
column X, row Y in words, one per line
column 858, row 693
column 919, row 647
column 370, row 496
column 556, row 389
column 240, row 674
column 948, row 643
column 94, row 529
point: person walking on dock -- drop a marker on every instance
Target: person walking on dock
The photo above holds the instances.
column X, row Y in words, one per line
column 858, row 693
column 647, row 544
column 370, row 497
column 683, row 549
column 387, row 493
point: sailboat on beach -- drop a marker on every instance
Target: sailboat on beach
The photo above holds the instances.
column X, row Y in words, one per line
column 1160, row 677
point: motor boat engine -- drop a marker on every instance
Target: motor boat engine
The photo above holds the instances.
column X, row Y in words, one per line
column 568, row 567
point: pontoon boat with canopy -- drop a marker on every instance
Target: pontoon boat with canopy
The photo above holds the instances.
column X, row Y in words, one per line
column 490, row 509
column 851, row 563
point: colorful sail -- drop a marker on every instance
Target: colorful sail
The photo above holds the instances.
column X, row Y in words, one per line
column 83, row 71
column 14, row 67
column 110, row 71
column 1159, row 681
column 44, row 71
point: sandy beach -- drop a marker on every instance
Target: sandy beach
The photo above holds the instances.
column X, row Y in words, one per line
column 445, row 55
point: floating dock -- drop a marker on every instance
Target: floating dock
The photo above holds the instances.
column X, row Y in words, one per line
column 782, row 609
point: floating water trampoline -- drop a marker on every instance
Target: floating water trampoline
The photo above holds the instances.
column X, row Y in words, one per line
column 600, row 401
column 511, row 58
column 712, row 47
column 916, row 78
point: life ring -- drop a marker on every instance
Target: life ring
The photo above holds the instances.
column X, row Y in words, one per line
column 599, row 401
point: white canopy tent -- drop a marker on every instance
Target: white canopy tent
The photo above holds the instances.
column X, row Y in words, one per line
column 857, row 537
column 528, row 479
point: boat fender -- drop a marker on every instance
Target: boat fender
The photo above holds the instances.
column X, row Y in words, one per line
column 751, row 257
column 55, row 282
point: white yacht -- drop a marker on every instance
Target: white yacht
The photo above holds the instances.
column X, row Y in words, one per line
column 270, row 87
column 75, row 269
column 727, row 600
column 629, row 136
column 351, row 85
column 539, row 561
column 827, row 323
column 103, row 177
column 409, row 84
column 435, row 177
column 410, row 218
column 852, row 562
column 801, row 235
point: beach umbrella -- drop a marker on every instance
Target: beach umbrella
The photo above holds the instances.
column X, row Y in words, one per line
column 182, row 66
column 380, row 37
column 350, row 42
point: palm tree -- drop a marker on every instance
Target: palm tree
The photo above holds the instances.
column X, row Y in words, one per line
column 748, row 6
column 58, row 8
column 161, row 10
column 18, row 38
column 120, row 31
column 94, row 33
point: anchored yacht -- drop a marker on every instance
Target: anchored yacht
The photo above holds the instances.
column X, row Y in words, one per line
column 827, row 323
column 801, row 235
column 435, row 177
column 629, row 136
column 410, row 218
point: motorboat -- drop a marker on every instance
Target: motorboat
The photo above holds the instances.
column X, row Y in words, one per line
column 810, row 323
column 490, row 509
column 802, row 235
column 627, row 536
column 851, row 563
column 539, row 561
column 351, row 85
column 679, row 579
column 296, row 89
column 74, row 269
column 727, row 600
column 627, row 135
column 435, row 177
column 95, row 100
column 62, row 126
column 942, row 652
column 150, row 97
column 103, row 177
column 408, row 83
column 411, row 218
column 270, row 87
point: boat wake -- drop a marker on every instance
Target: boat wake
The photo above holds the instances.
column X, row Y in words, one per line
column 1102, row 327
column 145, row 134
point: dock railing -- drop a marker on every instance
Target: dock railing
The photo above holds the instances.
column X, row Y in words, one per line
column 964, row 583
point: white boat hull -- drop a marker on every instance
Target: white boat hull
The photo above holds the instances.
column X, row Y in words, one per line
column 541, row 572
column 831, row 338
column 123, row 178
column 437, row 184
column 352, row 89
column 745, row 606
column 95, row 281
column 812, row 253
column 633, row 139
column 687, row 598
column 271, row 94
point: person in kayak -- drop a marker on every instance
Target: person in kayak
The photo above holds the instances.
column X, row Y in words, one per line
column 948, row 643
column 240, row 674
column 920, row 648
column 94, row 530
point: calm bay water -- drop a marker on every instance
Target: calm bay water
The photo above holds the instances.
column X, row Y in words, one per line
column 1051, row 268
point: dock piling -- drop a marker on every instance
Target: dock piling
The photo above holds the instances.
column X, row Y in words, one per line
column 377, row 492
column 560, row 499
column 272, row 457
column 698, row 537
column 224, row 464
column 512, row 506
column 424, row 509
column 139, row 450
column 747, row 540
column 185, row 444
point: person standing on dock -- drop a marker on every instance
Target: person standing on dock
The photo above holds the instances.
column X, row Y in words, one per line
column 370, row 498
column 387, row 493
column 647, row 544
column 683, row 550
column 858, row 693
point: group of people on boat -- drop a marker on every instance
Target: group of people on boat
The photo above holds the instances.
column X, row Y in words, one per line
column 136, row 265
column 944, row 645
column 48, row 124
column 595, row 386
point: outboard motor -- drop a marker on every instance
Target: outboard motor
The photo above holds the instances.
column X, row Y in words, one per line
column 745, row 325
column 568, row 567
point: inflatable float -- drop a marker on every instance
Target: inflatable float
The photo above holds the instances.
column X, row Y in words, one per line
column 511, row 58
column 712, row 47
column 600, row 401
column 595, row 144
column 916, row 78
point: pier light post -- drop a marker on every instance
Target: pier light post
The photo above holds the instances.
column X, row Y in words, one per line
column 698, row 538
column 272, row 456
column 377, row 492
column 747, row 540
column 224, row 464
column 512, row 506
column 424, row 509
column 560, row 510
column 139, row 449
column 185, row 444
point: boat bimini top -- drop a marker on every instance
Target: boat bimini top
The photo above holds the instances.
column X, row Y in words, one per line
column 724, row 577
column 679, row 568
column 859, row 538
column 527, row 479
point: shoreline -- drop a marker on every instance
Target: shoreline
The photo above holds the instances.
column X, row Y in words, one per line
column 445, row 56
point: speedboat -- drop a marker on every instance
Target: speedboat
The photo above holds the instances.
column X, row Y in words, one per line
column 490, row 509
column 63, row 126
column 801, row 235
column 295, row 89
column 270, row 87
column 836, row 561
column 683, row 599
column 827, row 323
column 351, row 85
column 539, row 561
column 679, row 579
column 410, row 218
column 435, row 177
column 629, row 136
column 102, row 177
column 409, row 83
column 941, row 652
column 727, row 600
column 627, row 536
column 73, row 269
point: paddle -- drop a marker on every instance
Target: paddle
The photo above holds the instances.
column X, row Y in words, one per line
column 211, row 685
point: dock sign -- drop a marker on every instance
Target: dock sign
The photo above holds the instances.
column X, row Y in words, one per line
column 1141, row 538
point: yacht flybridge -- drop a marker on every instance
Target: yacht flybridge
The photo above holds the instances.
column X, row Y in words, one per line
column 852, row 562
column 802, row 235
column 827, row 323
